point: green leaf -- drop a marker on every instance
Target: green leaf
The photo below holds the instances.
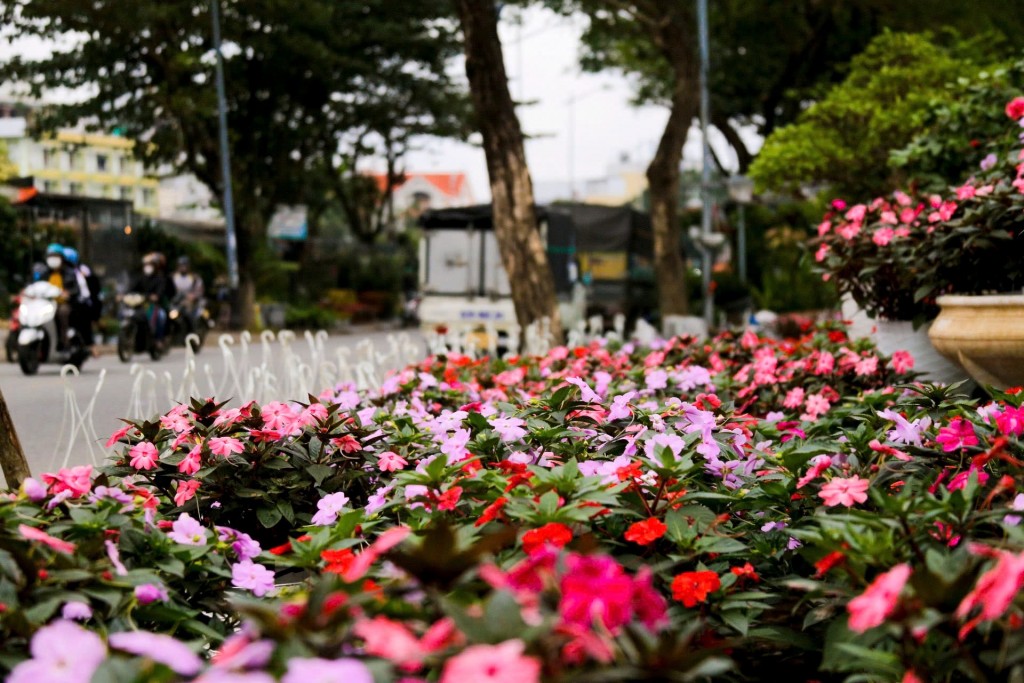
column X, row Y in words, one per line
column 268, row 517
column 320, row 472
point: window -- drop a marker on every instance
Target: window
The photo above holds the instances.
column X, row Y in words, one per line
column 51, row 158
column 49, row 186
column 101, row 163
column 125, row 193
column 148, row 196
column 77, row 161
column 75, row 188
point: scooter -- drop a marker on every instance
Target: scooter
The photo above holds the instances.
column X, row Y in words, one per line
column 185, row 319
column 37, row 334
column 135, row 335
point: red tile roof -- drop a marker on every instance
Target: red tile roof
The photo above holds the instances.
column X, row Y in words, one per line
column 450, row 184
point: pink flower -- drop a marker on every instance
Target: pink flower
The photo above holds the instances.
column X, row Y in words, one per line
column 389, row 639
column 391, row 462
column 251, row 576
column 225, row 446
column 846, row 492
column 819, row 464
column 186, row 491
column 192, row 462
column 857, row 213
column 595, row 588
column 277, row 416
column 995, row 590
column 143, row 456
column 160, row 648
column 965, row 191
column 902, row 361
column 78, row 480
column 40, row 536
column 870, row 608
column 509, row 428
column 823, row 228
column 816, row 404
column 328, row 508
column 187, row 531
column 794, row 397
column 649, row 605
column 61, row 651
column 960, row 480
column 503, row 663
column 866, row 366
column 117, row 436
column 838, row 204
column 1015, row 108
column 849, row 231
column 34, row 490
column 883, row 236
column 385, row 542
column 959, row 434
column 821, row 253
column 150, row 592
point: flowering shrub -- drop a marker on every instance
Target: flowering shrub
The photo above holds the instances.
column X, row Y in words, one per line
column 614, row 514
column 895, row 255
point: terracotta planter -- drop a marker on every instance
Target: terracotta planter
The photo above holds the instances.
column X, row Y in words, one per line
column 900, row 335
column 985, row 335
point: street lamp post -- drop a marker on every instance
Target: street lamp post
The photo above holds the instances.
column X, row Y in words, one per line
column 225, row 160
column 705, row 175
column 741, row 191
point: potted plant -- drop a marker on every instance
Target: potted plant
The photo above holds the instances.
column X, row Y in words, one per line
column 905, row 257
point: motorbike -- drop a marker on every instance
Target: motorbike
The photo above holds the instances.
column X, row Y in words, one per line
column 11, row 345
column 38, row 340
column 185, row 319
column 135, row 334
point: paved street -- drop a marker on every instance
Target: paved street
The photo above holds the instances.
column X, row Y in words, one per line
column 38, row 403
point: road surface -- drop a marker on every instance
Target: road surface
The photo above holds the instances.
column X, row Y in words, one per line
column 43, row 416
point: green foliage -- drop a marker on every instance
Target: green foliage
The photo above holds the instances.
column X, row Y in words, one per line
column 966, row 123
column 844, row 139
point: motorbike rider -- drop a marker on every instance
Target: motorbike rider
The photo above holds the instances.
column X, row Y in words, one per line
column 85, row 306
column 60, row 275
column 188, row 284
column 158, row 290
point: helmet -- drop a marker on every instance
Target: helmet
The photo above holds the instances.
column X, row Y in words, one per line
column 150, row 258
column 71, row 255
column 55, row 248
column 184, row 261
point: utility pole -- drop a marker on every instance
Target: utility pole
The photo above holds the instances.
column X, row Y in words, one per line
column 225, row 160
column 705, row 172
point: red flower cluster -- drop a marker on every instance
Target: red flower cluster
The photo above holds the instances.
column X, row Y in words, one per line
column 646, row 532
column 691, row 588
column 553, row 533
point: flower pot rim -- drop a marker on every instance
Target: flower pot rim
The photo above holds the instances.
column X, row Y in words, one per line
column 979, row 300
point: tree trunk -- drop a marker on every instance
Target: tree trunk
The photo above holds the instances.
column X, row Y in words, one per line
column 663, row 172
column 12, row 457
column 515, row 221
column 252, row 239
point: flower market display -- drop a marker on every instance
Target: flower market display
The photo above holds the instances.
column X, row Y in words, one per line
column 896, row 255
column 694, row 510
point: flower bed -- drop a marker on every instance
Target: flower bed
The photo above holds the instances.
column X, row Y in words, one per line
column 716, row 509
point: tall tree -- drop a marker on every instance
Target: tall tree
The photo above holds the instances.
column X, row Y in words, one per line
column 290, row 67
column 515, row 221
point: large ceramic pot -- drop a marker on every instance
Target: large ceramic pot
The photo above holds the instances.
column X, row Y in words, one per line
column 984, row 334
column 899, row 335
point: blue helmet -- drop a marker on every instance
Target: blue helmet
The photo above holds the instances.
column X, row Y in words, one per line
column 71, row 255
column 55, row 248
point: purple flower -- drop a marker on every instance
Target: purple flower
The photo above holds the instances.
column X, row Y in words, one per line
column 115, row 558
column 221, row 676
column 251, row 576
column 76, row 611
column 111, row 492
column 773, row 526
column 620, row 407
column 319, row 670
column 34, row 490
column 150, row 592
column 243, row 544
column 793, row 543
column 673, row 442
column 62, row 652
column 187, row 531
column 988, row 162
column 161, row 648
column 378, row 500
column 1018, row 506
column 328, row 508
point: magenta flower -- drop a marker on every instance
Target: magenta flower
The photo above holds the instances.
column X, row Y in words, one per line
column 596, row 588
column 502, row 663
column 162, row 649
column 317, row 670
column 143, row 456
column 225, row 446
column 192, row 462
column 251, row 576
column 959, row 434
column 846, row 492
column 62, row 652
column 187, row 531
column 870, row 609
column 328, row 508
column 1011, row 421
column 150, row 592
column 78, row 480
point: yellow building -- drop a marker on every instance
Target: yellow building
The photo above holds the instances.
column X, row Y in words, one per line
column 82, row 164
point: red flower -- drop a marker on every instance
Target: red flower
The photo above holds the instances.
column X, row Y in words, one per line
column 449, row 499
column 552, row 533
column 338, row 561
column 692, row 587
column 826, row 563
column 1015, row 108
column 646, row 532
column 746, row 572
column 491, row 512
column 282, row 549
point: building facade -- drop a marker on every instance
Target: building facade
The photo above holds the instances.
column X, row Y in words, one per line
column 80, row 164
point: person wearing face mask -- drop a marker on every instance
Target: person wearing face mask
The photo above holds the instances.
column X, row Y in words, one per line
column 60, row 275
column 85, row 306
column 158, row 289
